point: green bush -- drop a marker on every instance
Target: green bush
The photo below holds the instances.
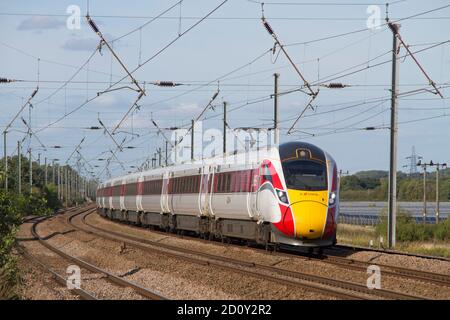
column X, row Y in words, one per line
column 442, row 230
column 10, row 219
column 409, row 230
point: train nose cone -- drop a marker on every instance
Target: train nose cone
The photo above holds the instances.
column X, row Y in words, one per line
column 310, row 217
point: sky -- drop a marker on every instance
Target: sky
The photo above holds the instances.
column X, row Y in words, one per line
column 230, row 52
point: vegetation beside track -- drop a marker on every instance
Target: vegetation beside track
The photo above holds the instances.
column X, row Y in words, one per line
column 13, row 208
column 429, row 239
column 40, row 200
column 373, row 186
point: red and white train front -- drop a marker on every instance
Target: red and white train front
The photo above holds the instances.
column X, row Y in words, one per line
column 288, row 194
column 305, row 183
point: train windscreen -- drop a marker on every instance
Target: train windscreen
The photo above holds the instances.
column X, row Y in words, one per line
column 305, row 175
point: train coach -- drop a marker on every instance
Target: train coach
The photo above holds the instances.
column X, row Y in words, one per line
column 280, row 195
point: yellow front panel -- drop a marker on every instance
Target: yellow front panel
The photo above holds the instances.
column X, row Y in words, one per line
column 310, row 212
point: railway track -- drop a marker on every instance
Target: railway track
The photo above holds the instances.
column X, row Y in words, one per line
column 358, row 265
column 83, row 294
column 353, row 248
column 112, row 278
column 338, row 288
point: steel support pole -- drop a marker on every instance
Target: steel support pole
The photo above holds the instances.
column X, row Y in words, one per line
column 53, row 172
column 58, row 183
column 45, row 164
column 392, row 201
column 31, row 170
column 5, row 157
column 167, row 143
column 224, row 127
column 192, row 139
column 19, row 174
column 275, row 110
column 437, row 193
column 424, row 214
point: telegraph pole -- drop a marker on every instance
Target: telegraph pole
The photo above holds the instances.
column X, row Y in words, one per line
column 31, row 170
column 341, row 173
column 6, row 160
column 45, row 164
column 20, row 167
column 424, row 167
column 275, row 109
column 166, row 152
column 392, row 202
column 224, row 127
column 438, row 167
column 424, row 193
column 192, row 139
column 53, row 172
column 159, row 157
column 58, row 182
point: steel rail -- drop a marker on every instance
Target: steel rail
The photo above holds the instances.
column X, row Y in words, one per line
column 390, row 270
column 83, row 294
column 109, row 276
column 254, row 266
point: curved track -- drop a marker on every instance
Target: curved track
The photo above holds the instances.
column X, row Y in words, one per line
column 83, row 294
column 338, row 288
column 109, row 276
column 333, row 259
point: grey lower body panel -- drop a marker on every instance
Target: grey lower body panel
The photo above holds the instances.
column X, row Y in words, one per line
column 133, row 216
column 278, row 237
column 155, row 219
column 238, row 228
column 191, row 223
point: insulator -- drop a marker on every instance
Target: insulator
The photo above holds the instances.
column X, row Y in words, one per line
column 336, row 86
column 34, row 92
column 370, row 128
column 92, row 24
column 268, row 27
column 215, row 95
column 4, row 80
column 166, row 84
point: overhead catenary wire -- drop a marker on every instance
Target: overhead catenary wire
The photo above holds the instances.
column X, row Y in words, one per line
column 145, row 62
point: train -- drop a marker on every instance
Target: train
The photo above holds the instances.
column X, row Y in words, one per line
column 283, row 195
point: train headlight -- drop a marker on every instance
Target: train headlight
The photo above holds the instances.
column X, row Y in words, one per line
column 282, row 196
column 332, row 198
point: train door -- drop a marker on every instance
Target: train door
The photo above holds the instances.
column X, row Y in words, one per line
column 110, row 195
column 122, row 195
column 165, row 192
column 203, row 194
column 170, row 195
column 253, row 194
column 211, row 177
column 139, row 193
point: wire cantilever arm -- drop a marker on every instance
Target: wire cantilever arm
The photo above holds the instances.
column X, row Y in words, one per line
column 128, row 112
column 275, row 37
column 103, row 41
column 301, row 114
column 21, row 109
column 430, row 81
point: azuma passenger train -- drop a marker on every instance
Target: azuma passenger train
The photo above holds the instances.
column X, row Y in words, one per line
column 278, row 195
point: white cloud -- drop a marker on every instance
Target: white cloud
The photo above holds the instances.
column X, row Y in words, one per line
column 81, row 44
column 40, row 23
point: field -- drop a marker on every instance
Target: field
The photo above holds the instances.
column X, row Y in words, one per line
column 362, row 235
